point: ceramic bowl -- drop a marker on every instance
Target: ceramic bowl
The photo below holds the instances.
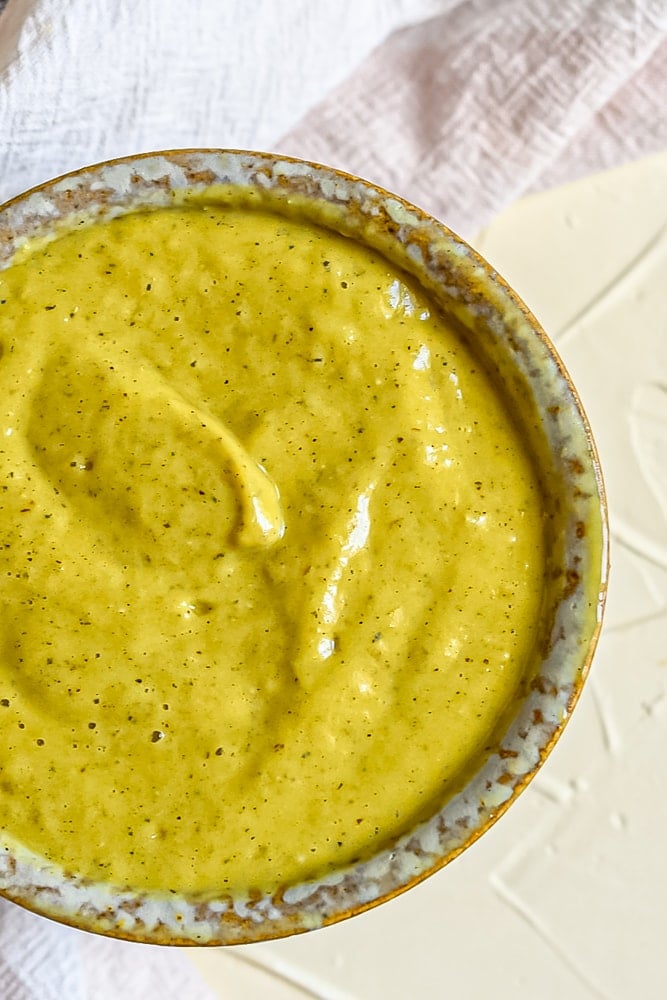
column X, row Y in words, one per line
column 511, row 343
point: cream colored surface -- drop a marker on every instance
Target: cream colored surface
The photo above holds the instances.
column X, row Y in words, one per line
column 565, row 896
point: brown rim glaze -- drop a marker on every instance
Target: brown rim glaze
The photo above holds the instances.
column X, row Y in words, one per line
column 522, row 359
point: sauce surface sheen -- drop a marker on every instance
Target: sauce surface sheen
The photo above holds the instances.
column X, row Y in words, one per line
column 271, row 551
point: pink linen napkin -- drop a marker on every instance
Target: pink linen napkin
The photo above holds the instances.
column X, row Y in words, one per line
column 467, row 111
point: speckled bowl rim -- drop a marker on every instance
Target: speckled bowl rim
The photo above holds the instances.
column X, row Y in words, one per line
column 470, row 288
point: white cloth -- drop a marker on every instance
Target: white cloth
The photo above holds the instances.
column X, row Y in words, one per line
column 42, row 960
column 459, row 106
column 86, row 80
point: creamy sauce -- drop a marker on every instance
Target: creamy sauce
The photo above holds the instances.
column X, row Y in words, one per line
column 272, row 551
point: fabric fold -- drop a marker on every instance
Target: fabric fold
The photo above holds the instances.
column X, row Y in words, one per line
column 467, row 111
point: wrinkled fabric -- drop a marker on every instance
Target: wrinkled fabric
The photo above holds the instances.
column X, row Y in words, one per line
column 43, row 960
column 468, row 111
column 88, row 80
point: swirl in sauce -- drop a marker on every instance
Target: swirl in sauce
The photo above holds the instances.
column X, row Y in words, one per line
column 272, row 551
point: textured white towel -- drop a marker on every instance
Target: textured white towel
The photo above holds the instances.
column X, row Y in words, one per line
column 41, row 960
column 85, row 80
column 461, row 107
